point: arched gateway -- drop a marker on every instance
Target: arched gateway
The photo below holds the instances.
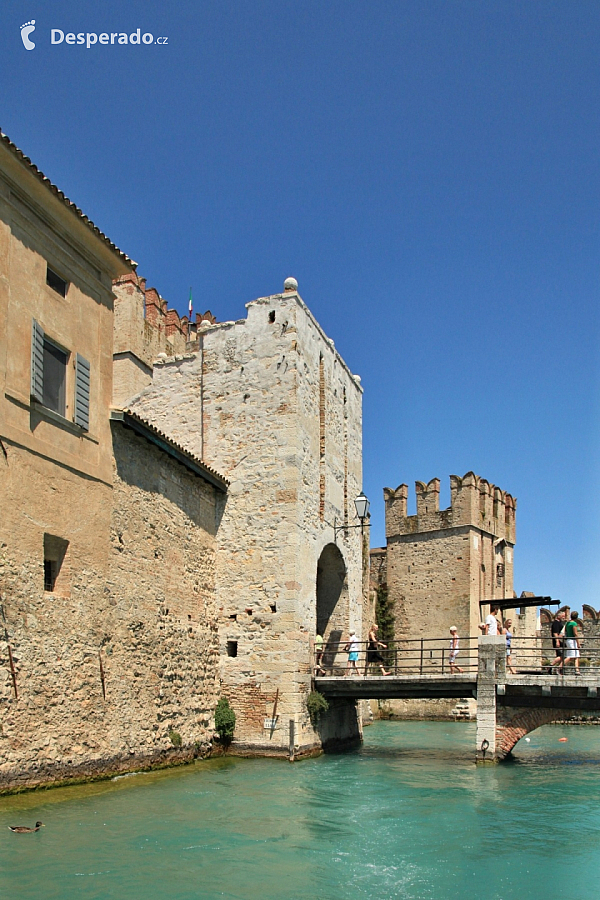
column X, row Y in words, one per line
column 333, row 605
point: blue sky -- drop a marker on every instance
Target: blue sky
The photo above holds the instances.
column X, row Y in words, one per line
column 428, row 171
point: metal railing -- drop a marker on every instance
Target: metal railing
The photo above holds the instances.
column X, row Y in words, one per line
column 419, row 657
column 412, row 656
column 540, row 656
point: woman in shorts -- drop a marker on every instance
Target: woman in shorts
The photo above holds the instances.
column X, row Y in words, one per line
column 352, row 648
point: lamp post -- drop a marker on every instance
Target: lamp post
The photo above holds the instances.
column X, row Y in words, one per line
column 362, row 505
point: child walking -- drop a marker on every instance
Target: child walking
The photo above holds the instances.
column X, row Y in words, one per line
column 454, row 651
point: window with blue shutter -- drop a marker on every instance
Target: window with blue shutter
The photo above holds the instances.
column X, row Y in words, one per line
column 82, row 393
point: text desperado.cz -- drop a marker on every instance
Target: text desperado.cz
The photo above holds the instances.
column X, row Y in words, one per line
column 90, row 38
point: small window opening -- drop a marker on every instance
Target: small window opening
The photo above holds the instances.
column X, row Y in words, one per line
column 232, row 648
column 49, row 574
column 57, row 283
column 272, row 316
column 55, row 376
column 55, row 550
column 233, row 617
column 273, row 607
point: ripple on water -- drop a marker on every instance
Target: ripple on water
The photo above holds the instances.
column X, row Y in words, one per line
column 409, row 816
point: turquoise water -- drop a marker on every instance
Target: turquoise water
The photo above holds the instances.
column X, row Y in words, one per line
column 408, row 816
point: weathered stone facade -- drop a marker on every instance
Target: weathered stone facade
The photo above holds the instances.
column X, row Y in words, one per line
column 269, row 402
column 438, row 565
column 109, row 651
column 442, row 563
column 145, row 329
column 134, row 590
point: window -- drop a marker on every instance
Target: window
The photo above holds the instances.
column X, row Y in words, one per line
column 57, row 283
column 232, row 648
column 55, row 550
column 49, row 377
column 55, row 376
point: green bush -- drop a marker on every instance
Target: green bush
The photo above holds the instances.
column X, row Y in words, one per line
column 224, row 720
column 175, row 738
column 316, row 705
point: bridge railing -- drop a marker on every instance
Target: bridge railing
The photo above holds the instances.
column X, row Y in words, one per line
column 539, row 656
column 434, row 656
column 411, row 656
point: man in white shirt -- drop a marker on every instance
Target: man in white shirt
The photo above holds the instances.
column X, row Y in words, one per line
column 491, row 625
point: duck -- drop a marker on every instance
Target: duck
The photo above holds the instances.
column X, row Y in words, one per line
column 23, row 829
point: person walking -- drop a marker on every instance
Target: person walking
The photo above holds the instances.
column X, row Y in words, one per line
column 491, row 625
column 572, row 642
column 319, row 670
column 454, row 651
column 352, row 648
column 509, row 637
column 373, row 654
column 557, row 633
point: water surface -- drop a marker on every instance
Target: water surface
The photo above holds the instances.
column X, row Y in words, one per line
column 408, row 816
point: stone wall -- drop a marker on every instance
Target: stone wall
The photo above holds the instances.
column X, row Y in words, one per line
column 269, row 403
column 122, row 658
column 441, row 563
column 144, row 329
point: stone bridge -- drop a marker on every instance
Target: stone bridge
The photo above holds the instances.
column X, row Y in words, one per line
column 508, row 706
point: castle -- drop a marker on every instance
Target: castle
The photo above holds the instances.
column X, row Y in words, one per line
column 170, row 493
column 442, row 563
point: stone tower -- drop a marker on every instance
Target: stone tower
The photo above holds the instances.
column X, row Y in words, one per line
column 269, row 402
column 442, row 563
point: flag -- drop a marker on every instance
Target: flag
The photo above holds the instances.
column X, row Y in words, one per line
column 190, row 304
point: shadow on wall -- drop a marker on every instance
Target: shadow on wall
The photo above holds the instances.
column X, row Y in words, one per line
column 333, row 605
column 139, row 464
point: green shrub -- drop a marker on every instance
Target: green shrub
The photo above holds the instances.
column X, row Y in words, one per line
column 175, row 738
column 224, row 720
column 316, row 705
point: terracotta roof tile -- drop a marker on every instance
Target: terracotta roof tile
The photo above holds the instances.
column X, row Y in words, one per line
column 68, row 203
column 177, row 446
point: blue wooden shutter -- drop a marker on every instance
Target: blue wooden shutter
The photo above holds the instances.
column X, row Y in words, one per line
column 82, row 392
column 37, row 361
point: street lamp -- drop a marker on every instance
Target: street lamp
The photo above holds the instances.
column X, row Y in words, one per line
column 361, row 504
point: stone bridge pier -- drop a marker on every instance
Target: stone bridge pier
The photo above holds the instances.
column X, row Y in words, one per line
column 491, row 671
column 508, row 710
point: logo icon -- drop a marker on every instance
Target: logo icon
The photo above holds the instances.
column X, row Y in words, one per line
column 26, row 30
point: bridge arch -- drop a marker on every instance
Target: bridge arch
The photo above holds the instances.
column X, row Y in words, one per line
column 512, row 724
column 333, row 602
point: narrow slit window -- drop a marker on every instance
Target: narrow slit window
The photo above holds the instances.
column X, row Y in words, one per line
column 232, row 648
column 55, row 550
column 57, row 283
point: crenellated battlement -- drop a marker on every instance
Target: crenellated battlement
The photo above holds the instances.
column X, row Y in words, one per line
column 148, row 306
column 144, row 329
column 474, row 501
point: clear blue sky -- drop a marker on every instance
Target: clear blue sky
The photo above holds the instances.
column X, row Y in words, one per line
column 428, row 171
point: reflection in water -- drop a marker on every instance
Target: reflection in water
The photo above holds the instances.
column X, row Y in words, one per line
column 409, row 816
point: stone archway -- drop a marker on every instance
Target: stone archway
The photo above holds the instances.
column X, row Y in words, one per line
column 333, row 604
column 513, row 723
